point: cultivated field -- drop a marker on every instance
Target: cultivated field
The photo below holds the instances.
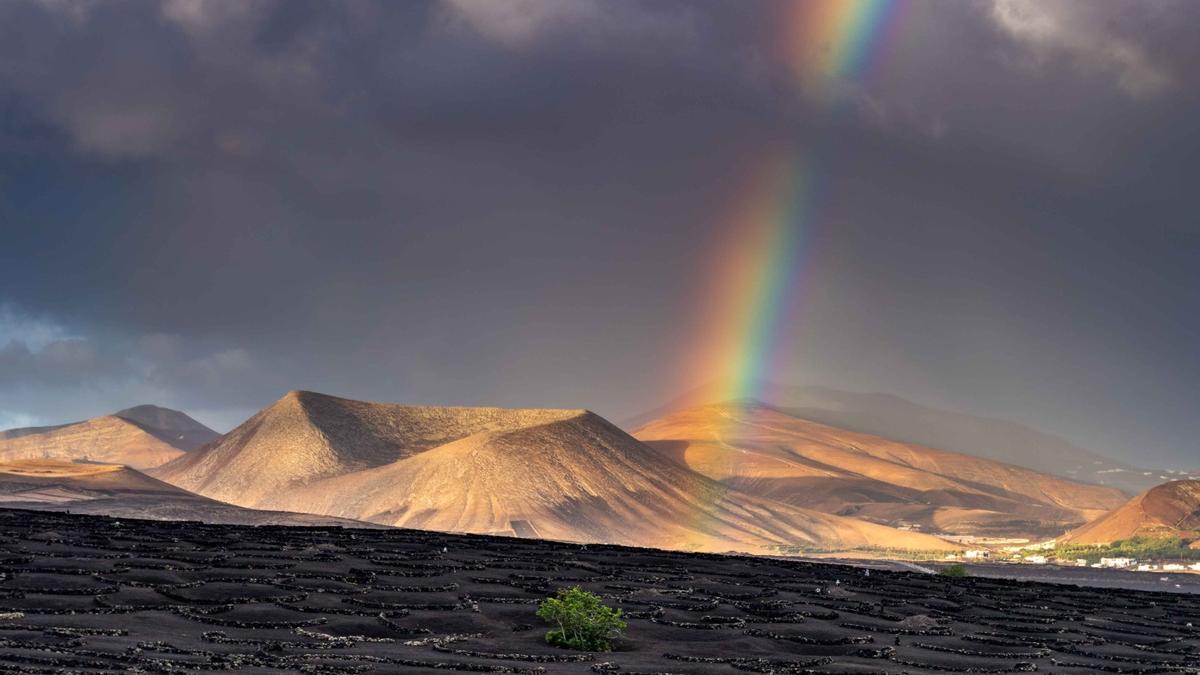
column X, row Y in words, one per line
column 90, row 594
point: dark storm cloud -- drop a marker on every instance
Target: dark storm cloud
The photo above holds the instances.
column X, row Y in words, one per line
column 204, row 204
column 60, row 362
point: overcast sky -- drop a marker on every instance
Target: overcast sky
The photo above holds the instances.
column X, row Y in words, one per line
column 205, row 204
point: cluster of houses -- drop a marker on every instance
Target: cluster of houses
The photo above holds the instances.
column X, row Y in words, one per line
column 1115, row 563
column 1015, row 554
column 1134, row 564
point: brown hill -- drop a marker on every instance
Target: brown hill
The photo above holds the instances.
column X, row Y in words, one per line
column 305, row 436
column 561, row 474
column 1168, row 510
column 109, row 489
column 129, row 437
column 771, row 454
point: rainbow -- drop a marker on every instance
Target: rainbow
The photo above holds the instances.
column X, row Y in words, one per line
column 830, row 43
column 829, row 46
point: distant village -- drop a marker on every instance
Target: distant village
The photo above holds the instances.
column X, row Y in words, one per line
column 1047, row 553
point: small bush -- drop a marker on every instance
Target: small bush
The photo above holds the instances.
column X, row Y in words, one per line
column 954, row 571
column 583, row 621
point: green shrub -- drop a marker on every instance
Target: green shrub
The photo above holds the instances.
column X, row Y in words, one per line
column 954, row 571
column 583, row 621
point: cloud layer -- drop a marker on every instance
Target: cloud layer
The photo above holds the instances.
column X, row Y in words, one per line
column 206, row 203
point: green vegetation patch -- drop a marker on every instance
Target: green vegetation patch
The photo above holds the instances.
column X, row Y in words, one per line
column 954, row 571
column 582, row 620
column 865, row 551
column 1140, row 548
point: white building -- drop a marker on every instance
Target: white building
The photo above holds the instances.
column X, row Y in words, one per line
column 1036, row 559
column 1117, row 562
column 978, row 555
column 1173, row 567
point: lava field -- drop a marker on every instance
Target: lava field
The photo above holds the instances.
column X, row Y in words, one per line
column 95, row 594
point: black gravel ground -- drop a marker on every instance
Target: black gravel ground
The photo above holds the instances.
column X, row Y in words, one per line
column 93, row 594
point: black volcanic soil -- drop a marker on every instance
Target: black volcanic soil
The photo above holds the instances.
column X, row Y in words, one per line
column 99, row 594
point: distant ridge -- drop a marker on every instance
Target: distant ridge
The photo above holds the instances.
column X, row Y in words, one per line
column 1168, row 510
column 140, row 437
column 902, row 420
column 770, row 453
column 559, row 474
column 169, row 425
